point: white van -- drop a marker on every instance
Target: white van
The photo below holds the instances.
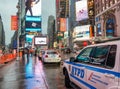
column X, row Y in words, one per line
column 95, row 67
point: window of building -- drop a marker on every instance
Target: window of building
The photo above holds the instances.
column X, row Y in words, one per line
column 102, row 1
column 99, row 33
column 107, row 4
column 111, row 2
column 97, row 19
column 110, row 29
column 116, row 1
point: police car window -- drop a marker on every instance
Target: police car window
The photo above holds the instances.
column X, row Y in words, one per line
column 111, row 57
column 84, row 55
column 100, row 55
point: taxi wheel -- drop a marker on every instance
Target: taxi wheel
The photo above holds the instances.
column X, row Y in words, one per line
column 67, row 80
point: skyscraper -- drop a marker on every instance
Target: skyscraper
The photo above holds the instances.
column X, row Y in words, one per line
column 2, row 33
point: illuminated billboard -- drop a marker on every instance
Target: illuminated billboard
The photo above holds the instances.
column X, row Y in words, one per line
column 14, row 22
column 81, row 10
column 63, row 24
column 81, row 32
column 33, row 7
column 40, row 40
column 29, row 38
column 33, row 24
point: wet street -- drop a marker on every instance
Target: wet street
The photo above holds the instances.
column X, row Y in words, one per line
column 31, row 74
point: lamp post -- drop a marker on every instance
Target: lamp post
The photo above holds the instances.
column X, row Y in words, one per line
column 19, row 27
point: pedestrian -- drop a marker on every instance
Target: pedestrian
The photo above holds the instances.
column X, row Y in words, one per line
column 26, row 52
column 31, row 51
column 40, row 55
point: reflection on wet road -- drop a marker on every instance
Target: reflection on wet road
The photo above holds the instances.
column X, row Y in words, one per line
column 23, row 74
column 31, row 74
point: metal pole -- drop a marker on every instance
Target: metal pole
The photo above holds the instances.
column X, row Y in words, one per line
column 19, row 28
column 18, row 45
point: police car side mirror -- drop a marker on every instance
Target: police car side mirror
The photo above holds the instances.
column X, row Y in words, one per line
column 72, row 59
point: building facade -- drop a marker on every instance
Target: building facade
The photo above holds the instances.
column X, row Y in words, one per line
column 107, row 18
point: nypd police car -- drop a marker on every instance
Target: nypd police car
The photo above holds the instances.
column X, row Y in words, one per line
column 95, row 67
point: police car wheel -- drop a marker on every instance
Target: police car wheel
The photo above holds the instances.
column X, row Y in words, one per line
column 67, row 80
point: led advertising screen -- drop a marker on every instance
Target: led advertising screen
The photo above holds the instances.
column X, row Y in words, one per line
column 40, row 40
column 33, row 24
column 14, row 22
column 81, row 32
column 81, row 10
column 63, row 24
column 33, row 7
column 29, row 38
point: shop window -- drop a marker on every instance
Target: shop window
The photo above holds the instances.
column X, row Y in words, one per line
column 110, row 28
column 99, row 33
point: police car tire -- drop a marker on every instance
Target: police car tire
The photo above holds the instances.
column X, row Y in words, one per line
column 67, row 80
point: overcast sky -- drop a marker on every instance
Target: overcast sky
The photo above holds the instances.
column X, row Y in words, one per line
column 48, row 8
column 8, row 8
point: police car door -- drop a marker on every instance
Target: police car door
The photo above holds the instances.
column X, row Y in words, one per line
column 78, row 73
column 100, row 72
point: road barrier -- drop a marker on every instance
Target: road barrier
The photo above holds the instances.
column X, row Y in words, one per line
column 7, row 58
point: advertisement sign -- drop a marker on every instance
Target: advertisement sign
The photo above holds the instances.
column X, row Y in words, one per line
column 81, row 10
column 33, row 7
column 15, row 44
column 81, row 32
column 33, row 24
column 65, row 34
column 63, row 23
column 29, row 38
column 14, row 22
column 40, row 40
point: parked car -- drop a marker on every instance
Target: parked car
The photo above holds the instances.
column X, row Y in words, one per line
column 95, row 67
column 51, row 56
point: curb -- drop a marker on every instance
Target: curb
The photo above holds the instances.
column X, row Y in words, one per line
column 1, row 65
